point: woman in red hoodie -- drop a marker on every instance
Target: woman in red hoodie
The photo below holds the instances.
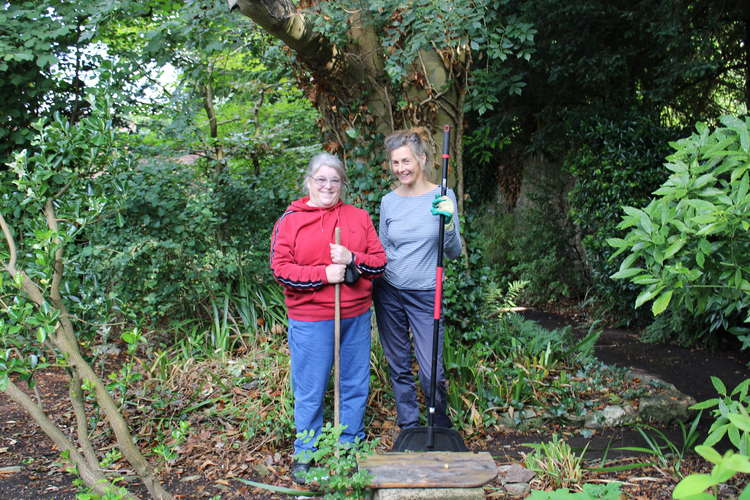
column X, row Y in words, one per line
column 307, row 261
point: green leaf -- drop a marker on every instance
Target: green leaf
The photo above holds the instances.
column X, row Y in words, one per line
column 742, row 189
column 710, row 403
column 693, row 484
column 708, row 453
column 716, row 227
column 741, row 421
column 703, row 180
column 674, row 248
column 626, row 273
column 617, row 242
column 661, row 303
column 645, row 279
column 740, row 127
column 737, row 463
column 705, row 246
column 716, row 435
column 742, row 388
column 719, row 386
column 280, row 489
column 646, row 295
column 700, row 259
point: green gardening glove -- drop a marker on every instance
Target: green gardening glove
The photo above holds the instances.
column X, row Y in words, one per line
column 442, row 205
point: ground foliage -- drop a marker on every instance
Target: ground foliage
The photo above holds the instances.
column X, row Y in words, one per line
column 215, row 398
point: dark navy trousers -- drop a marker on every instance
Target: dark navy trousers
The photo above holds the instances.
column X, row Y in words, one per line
column 405, row 317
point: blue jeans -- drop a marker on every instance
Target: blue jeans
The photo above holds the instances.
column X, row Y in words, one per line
column 311, row 345
column 398, row 312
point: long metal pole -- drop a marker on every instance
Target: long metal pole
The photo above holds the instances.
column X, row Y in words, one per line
column 438, row 294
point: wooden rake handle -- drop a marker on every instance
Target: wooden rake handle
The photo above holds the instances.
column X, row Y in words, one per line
column 337, row 346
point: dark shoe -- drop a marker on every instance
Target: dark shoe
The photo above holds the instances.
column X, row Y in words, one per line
column 299, row 472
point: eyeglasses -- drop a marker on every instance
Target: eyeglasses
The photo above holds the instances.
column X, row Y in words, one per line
column 322, row 181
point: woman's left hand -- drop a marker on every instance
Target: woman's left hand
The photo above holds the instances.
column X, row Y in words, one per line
column 442, row 205
column 340, row 254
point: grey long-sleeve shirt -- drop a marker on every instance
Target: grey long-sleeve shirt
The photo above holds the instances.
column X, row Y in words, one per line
column 409, row 233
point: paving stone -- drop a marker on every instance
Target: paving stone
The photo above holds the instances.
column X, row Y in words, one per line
column 429, row 493
column 514, row 473
column 517, row 490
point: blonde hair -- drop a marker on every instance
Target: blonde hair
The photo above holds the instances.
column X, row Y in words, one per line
column 417, row 139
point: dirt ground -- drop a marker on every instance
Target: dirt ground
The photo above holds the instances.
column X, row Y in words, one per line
column 29, row 468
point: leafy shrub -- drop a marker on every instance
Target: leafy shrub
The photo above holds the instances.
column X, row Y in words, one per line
column 464, row 288
column 334, row 470
column 171, row 240
column 617, row 162
column 688, row 247
column 732, row 419
column 534, row 245
column 149, row 252
column 335, row 465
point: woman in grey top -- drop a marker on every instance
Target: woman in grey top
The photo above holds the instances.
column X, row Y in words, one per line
column 404, row 297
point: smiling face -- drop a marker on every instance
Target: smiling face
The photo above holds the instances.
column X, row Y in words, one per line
column 324, row 187
column 406, row 166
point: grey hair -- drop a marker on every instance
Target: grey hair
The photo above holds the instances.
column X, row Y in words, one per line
column 326, row 160
column 415, row 139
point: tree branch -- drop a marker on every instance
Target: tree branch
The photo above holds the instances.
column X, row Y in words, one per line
column 31, row 289
column 91, row 477
column 11, row 265
column 49, row 213
column 281, row 19
column 76, row 399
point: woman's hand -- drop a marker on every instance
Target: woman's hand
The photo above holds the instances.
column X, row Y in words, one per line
column 340, row 254
column 442, row 205
column 335, row 273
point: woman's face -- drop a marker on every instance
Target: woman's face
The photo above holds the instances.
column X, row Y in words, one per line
column 324, row 187
column 405, row 166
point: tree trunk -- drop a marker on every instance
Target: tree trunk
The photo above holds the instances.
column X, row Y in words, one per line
column 351, row 90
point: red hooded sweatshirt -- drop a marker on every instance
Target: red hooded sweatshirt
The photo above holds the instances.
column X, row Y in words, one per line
column 300, row 252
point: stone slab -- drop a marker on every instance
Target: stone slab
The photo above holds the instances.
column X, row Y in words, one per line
column 429, row 493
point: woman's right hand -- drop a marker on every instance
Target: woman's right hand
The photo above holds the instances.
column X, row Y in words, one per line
column 335, row 273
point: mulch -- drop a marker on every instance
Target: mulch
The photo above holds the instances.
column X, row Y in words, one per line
column 30, row 468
